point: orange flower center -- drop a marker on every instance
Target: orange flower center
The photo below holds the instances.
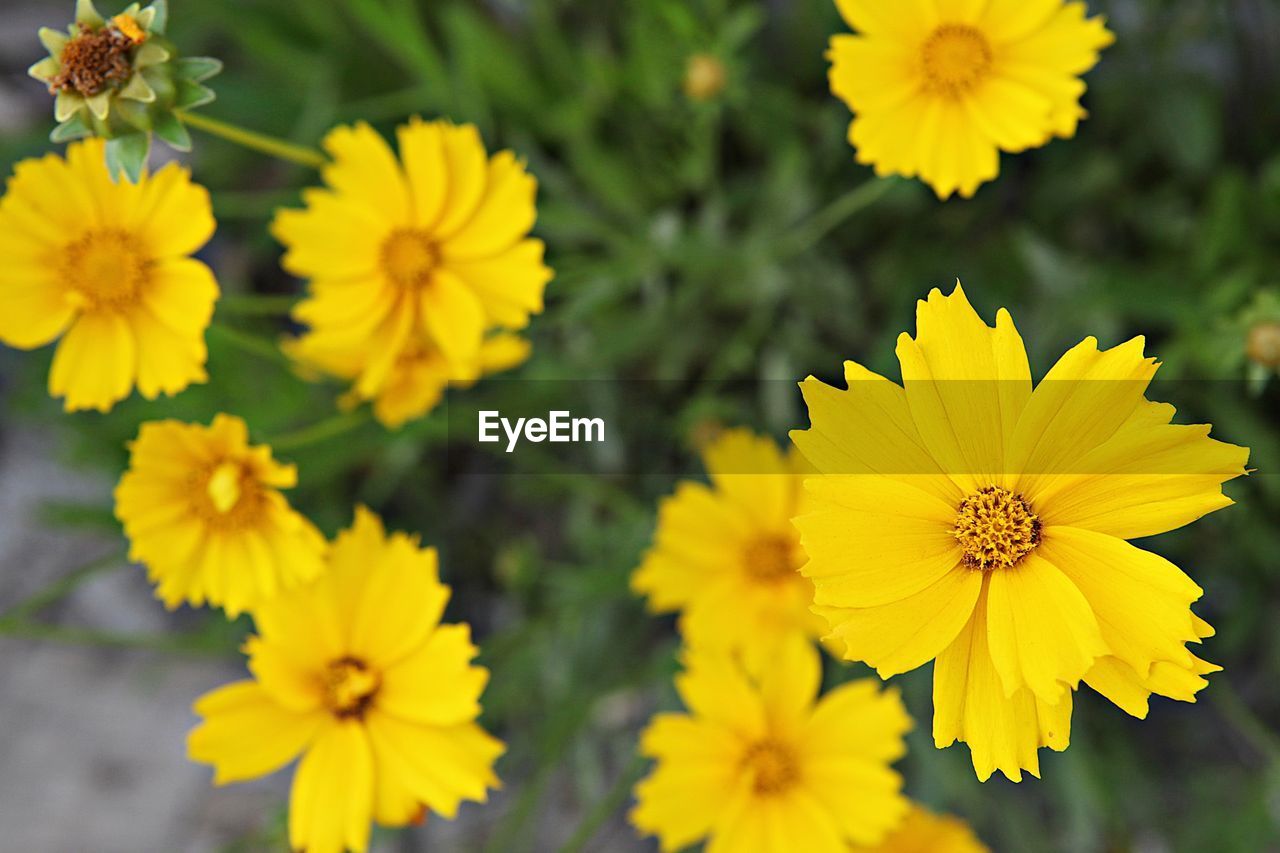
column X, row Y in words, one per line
column 772, row 765
column 956, row 58
column 94, row 61
column 349, row 687
column 770, row 559
column 1263, row 344
column 105, row 269
column 409, row 256
column 227, row 495
column 996, row 529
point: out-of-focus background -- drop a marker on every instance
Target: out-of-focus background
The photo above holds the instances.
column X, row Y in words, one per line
column 727, row 246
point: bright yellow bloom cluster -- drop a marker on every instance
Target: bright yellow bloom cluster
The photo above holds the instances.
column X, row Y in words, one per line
column 760, row 763
column 204, row 513
column 414, row 263
column 106, row 267
column 969, row 517
column 726, row 556
column 356, row 673
column 938, row 89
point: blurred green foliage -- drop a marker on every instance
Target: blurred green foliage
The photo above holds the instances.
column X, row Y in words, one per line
column 732, row 247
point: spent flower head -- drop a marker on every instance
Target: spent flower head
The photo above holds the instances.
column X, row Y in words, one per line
column 120, row 78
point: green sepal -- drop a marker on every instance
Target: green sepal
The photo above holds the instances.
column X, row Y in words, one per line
column 172, row 131
column 197, row 69
column 191, row 95
column 127, row 155
column 161, row 21
column 70, row 130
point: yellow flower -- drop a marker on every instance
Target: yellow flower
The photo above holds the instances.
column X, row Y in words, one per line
column 760, row 765
column 434, row 244
column 203, row 511
column 106, row 267
column 938, row 89
column 925, row 832
column 357, row 674
column 418, row 378
column 968, row 517
column 727, row 556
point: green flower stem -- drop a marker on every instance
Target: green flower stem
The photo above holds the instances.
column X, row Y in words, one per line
column 248, row 343
column 1242, row 718
column 324, row 430
column 180, row 644
column 605, row 807
column 808, row 233
column 61, row 588
column 299, row 154
column 256, row 304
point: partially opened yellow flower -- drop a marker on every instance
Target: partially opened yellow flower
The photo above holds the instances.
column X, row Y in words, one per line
column 763, row 764
column 938, row 89
column 106, row 267
column 726, row 556
column 356, row 673
column 925, row 832
column 419, row 376
column 968, row 517
column 434, row 243
column 204, row 513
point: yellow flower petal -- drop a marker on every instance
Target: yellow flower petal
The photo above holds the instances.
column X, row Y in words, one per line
column 95, row 364
column 504, row 215
column 436, row 684
column 1042, row 633
column 442, row 766
column 365, row 170
column 331, row 801
column 246, row 734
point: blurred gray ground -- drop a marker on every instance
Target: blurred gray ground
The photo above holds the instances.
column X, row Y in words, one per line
column 92, row 739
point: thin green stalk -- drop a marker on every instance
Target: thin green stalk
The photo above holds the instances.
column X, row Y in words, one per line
column 807, row 234
column 1242, row 718
column 289, row 151
column 61, row 588
column 256, row 304
column 606, row 806
column 248, row 343
column 180, row 644
column 319, row 432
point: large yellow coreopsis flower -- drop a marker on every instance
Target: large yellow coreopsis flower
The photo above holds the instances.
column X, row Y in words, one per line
column 968, row 517
column 356, row 673
column 727, row 556
column 434, row 244
column 762, row 764
column 106, row 267
column 203, row 512
column 938, row 89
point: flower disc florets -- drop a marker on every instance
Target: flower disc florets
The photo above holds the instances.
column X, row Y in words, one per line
column 120, row 79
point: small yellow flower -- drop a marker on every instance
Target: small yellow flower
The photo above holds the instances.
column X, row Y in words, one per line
column 356, row 673
column 925, row 832
column 727, row 557
column 764, row 765
column 203, row 511
column 434, row 244
column 106, row 267
column 417, row 380
column 704, row 77
column 969, row 517
column 939, row 89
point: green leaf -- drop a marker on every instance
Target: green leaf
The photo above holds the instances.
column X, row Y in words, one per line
column 191, row 95
column 161, row 21
column 172, row 131
column 70, row 130
column 197, row 69
column 127, row 155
